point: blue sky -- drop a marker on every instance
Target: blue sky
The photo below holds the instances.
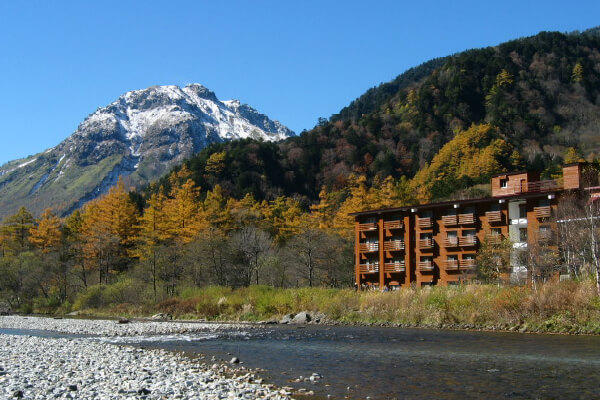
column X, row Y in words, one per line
column 294, row 61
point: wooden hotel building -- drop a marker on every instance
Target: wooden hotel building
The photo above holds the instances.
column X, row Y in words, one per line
column 437, row 243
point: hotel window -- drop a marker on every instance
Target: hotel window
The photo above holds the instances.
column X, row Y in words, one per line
column 522, row 211
column 523, row 235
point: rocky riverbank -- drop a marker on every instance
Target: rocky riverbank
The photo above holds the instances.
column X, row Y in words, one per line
column 113, row 327
column 81, row 368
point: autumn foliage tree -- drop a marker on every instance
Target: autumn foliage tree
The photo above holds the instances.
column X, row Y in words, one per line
column 109, row 229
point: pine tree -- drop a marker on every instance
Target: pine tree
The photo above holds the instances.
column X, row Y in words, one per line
column 572, row 155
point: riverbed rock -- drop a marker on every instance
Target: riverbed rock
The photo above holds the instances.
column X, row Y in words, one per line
column 318, row 318
column 301, row 318
column 162, row 317
column 5, row 309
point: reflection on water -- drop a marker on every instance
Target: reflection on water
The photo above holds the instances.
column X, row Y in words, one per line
column 388, row 363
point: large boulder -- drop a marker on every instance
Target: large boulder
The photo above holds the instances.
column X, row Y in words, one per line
column 301, row 318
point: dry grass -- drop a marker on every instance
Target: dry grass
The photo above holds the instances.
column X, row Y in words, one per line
column 566, row 307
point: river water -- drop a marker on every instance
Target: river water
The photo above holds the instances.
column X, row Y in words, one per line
column 395, row 363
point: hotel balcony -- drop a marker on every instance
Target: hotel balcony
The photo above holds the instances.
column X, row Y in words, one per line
column 493, row 216
column 393, row 224
column 542, row 212
column 395, row 266
column 426, row 244
column 467, row 264
column 393, row 245
column 424, row 222
column 450, row 242
column 368, row 226
column 467, row 240
column 449, row 220
column 368, row 247
column 465, row 219
column 451, row 264
column 425, row 266
column 368, row 268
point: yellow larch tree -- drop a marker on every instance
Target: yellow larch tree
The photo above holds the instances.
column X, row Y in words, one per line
column 359, row 199
column 153, row 233
column 109, row 229
column 46, row 233
column 324, row 211
column 183, row 212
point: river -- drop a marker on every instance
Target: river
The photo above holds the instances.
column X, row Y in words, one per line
column 395, row 363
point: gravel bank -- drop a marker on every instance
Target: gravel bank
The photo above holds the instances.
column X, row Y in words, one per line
column 87, row 368
column 39, row 368
column 112, row 328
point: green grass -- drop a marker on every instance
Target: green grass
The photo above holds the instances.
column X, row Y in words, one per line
column 76, row 182
column 567, row 307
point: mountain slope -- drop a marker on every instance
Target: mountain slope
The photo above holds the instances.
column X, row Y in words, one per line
column 141, row 135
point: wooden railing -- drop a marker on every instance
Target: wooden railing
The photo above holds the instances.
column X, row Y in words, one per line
column 368, row 226
column 368, row 268
column 467, row 264
column 540, row 186
column 424, row 222
column 393, row 224
column 368, row 247
column 451, row 264
column 425, row 243
column 449, row 220
column 425, row 265
column 493, row 216
column 467, row 240
column 464, row 219
column 542, row 212
column 531, row 187
column 393, row 245
column 394, row 266
column 494, row 238
column 450, row 242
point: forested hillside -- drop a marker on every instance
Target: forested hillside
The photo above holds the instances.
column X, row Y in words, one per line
column 539, row 95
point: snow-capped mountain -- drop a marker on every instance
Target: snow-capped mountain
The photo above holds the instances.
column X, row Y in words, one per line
column 141, row 135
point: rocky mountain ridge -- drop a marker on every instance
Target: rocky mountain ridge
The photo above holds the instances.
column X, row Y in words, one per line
column 140, row 136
